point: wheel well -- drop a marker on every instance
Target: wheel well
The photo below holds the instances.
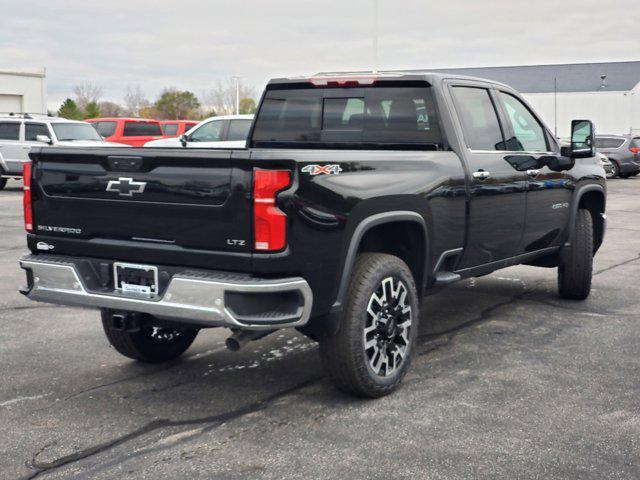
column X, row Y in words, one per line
column 594, row 202
column 405, row 240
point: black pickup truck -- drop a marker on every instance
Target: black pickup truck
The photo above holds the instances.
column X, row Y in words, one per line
column 356, row 195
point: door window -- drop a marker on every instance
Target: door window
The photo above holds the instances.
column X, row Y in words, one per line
column 238, row 129
column 32, row 130
column 209, row 132
column 479, row 118
column 528, row 132
column 9, row 131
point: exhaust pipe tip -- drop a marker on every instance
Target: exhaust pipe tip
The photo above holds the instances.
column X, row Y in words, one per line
column 233, row 344
column 240, row 338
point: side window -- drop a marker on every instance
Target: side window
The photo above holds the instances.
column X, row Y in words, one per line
column 529, row 134
column 9, row 131
column 141, row 129
column 479, row 118
column 106, row 129
column 238, row 130
column 604, row 142
column 170, row 128
column 32, row 130
column 209, row 132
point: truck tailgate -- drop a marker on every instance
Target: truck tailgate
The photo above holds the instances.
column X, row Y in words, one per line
column 163, row 201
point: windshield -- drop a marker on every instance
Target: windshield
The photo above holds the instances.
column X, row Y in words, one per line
column 395, row 116
column 66, row 132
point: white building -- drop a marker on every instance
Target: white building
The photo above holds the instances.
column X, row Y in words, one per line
column 607, row 93
column 23, row 92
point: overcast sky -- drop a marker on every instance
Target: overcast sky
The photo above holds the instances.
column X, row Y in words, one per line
column 189, row 44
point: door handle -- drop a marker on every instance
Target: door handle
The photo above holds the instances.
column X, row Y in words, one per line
column 481, row 175
column 533, row 172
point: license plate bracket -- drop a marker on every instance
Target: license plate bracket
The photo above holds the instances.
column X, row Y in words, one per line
column 135, row 279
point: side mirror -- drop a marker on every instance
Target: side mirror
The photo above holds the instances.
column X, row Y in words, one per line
column 557, row 164
column 43, row 139
column 184, row 138
column 582, row 139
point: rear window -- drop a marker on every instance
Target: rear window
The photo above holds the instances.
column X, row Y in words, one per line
column 370, row 117
column 9, row 131
column 602, row 142
column 635, row 143
column 141, row 129
column 106, row 129
column 170, row 128
column 238, row 129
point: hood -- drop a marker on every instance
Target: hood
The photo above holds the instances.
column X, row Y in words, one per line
column 89, row 143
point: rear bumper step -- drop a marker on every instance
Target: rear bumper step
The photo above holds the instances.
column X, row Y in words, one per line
column 208, row 299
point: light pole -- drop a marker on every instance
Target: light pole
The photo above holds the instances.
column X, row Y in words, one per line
column 375, row 36
column 237, row 79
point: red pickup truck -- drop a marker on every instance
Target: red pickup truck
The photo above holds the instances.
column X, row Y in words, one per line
column 175, row 128
column 132, row 131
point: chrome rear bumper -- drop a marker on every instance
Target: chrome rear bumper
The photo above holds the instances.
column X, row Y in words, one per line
column 209, row 299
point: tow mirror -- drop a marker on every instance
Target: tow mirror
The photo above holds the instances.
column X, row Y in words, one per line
column 184, row 138
column 582, row 139
column 43, row 139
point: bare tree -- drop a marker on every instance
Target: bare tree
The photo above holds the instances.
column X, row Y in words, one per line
column 87, row 92
column 135, row 99
column 111, row 109
column 222, row 97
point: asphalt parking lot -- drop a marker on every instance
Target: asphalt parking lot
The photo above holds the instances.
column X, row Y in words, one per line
column 509, row 382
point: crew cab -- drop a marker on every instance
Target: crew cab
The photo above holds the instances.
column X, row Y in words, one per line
column 131, row 131
column 357, row 195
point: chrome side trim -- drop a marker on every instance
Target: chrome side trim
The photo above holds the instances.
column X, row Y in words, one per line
column 195, row 300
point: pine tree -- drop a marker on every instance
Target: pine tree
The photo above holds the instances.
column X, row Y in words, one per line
column 92, row 110
column 70, row 110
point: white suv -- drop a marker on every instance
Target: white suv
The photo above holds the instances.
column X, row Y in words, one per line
column 20, row 132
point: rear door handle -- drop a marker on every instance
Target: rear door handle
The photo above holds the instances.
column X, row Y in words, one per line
column 533, row 172
column 481, row 175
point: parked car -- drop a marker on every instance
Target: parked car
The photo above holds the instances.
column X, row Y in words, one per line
column 229, row 131
column 19, row 133
column 175, row 128
column 623, row 151
column 355, row 196
column 609, row 170
column 131, row 131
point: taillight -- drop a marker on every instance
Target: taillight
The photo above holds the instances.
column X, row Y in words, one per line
column 270, row 224
column 26, row 197
column 634, row 149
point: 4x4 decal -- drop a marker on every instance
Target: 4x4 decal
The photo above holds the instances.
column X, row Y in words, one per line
column 322, row 169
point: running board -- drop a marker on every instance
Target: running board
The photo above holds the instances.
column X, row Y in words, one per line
column 445, row 278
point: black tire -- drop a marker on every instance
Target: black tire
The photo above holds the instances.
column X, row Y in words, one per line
column 576, row 266
column 623, row 175
column 615, row 172
column 351, row 366
column 3, row 183
column 149, row 344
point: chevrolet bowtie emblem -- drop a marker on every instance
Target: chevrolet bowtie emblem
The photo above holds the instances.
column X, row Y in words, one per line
column 125, row 187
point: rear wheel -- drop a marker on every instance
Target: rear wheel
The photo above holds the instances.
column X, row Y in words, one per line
column 576, row 266
column 148, row 342
column 371, row 351
column 615, row 170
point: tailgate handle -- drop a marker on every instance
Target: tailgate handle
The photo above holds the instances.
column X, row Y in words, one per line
column 124, row 164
